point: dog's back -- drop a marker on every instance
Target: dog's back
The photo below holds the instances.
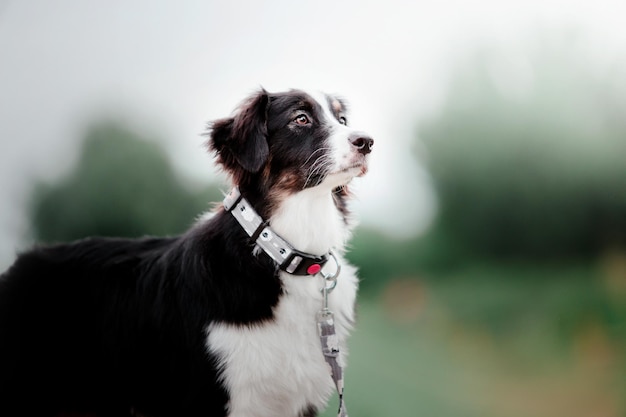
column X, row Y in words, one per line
column 95, row 326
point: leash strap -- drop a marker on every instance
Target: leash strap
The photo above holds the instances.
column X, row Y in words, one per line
column 330, row 349
column 329, row 338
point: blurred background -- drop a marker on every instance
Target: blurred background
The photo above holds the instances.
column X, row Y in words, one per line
column 492, row 244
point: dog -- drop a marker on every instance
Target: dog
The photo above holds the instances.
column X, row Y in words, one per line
column 219, row 321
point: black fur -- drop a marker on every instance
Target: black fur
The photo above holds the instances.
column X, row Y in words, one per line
column 242, row 139
column 116, row 327
column 110, row 325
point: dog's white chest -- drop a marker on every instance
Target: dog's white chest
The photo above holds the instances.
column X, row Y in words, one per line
column 277, row 368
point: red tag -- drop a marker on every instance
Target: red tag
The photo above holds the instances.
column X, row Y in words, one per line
column 313, row 269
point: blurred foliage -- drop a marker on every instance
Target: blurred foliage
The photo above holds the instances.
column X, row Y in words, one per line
column 472, row 344
column 123, row 185
column 527, row 154
column 514, row 302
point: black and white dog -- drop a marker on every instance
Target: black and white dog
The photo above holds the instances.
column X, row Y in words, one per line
column 220, row 321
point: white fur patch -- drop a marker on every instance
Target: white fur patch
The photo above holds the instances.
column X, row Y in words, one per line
column 277, row 368
column 310, row 221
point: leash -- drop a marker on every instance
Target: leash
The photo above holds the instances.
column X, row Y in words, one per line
column 296, row 262
column 328, row 336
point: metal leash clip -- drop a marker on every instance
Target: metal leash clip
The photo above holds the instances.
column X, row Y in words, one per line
column 330, row 282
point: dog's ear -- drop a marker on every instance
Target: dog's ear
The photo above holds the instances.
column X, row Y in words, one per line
column 241, row 140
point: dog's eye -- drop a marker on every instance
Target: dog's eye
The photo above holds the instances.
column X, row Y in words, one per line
column 302, row 120
column 343, row 120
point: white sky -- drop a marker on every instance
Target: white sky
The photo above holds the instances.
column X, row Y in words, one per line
column 169, row 67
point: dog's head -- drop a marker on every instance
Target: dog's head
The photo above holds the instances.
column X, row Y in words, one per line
column 290, row 141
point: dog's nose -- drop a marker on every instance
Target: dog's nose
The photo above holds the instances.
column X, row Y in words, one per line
column 362, row 143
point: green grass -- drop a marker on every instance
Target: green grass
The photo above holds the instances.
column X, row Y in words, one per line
column 505, row 341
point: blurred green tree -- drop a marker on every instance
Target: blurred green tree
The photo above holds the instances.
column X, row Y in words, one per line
column 528, row 154
column 123, row 185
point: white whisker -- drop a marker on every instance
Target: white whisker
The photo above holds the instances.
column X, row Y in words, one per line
column 326, row 148
column 320, row 164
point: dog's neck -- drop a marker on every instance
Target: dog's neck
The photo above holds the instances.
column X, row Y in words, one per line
column 310, row 221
